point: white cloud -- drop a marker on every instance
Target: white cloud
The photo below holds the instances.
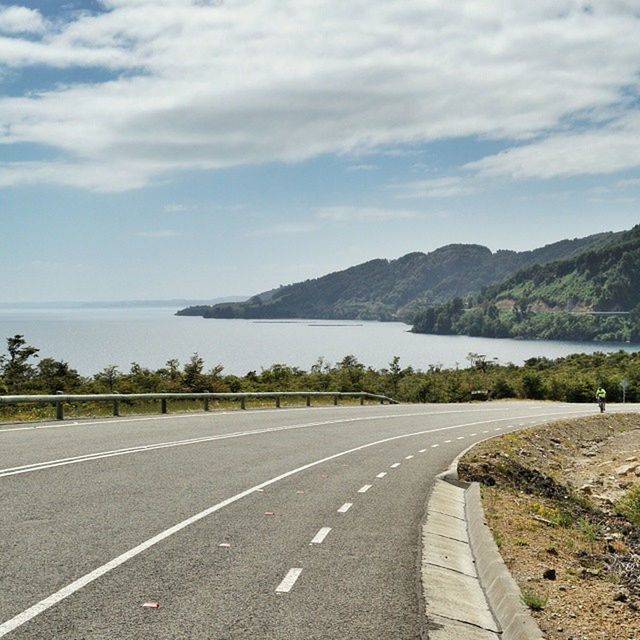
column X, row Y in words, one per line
column 157, row 233
column 608, row 149
column 15, row 19
column 434, row 188
column 284, row 229
column 208, row 84
column 364, row 214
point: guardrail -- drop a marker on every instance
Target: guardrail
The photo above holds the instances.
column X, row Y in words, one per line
column 60, row 399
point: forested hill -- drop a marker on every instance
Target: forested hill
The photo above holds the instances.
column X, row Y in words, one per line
column 397, row 289
column 594, row 295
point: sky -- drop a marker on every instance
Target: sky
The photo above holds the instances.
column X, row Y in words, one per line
column 157, row 149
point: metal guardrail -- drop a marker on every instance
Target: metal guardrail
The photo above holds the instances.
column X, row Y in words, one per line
column 116, row 398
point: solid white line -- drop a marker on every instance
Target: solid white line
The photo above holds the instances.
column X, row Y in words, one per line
column 237, row 413
column 321, row 535
column 87, row 457
column 408, row 457
column 365, row 488
column 395, row 465
column 289, row 580
column 382, row 474
column 345, row 507
column 76, row 585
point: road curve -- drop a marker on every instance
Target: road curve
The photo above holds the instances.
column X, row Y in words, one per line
column 275, row 524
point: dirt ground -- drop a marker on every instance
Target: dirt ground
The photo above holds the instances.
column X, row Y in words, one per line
column 552, row 497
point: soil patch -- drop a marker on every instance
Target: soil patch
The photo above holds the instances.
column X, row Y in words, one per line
column 563, row 502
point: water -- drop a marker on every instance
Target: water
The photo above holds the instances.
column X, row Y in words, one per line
column 91, row 339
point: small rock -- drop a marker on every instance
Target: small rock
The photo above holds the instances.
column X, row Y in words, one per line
column 626, row 468
column 586, row 488
column 621, row 596
column 549, row 574
column 556, row 440
column 562, row 588
column 632, row 459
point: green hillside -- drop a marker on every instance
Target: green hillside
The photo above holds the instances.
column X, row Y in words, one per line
column 397, row 289
column 594, row 295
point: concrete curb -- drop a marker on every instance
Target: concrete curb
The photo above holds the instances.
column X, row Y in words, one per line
column 468, row 590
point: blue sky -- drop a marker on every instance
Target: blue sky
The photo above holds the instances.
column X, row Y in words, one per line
column 184, row 148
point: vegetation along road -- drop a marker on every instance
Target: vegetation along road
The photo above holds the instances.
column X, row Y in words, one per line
column 291, row 523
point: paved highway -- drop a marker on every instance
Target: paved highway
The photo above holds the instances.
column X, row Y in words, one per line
column 271, row 524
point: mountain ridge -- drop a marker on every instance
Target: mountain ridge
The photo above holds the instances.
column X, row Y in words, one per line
column 382, row 289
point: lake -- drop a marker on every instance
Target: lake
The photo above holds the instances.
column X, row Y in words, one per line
column 91, row 339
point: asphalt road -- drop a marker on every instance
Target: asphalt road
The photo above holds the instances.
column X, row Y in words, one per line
column 238, row 524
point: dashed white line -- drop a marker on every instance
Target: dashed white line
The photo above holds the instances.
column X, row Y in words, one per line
column 447, row 441
column 474, row 434
column 408, row 457
column 345, row 507
column 289, row 580
column 460, row 438
column 433, row 446
column 63, row 593
column 422, row 451
column 382, row 474
column 486, row 431
column 498, row 429
column 364, row 488
column 321, row 535
column 395, row 465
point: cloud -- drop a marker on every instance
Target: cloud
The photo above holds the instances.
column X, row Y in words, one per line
column 608, row 149
column 364, row 214
column 157, row 233
column 434, row 188
column 205, row 85
column 15, row 19
column 284, row 229
column 362, row 167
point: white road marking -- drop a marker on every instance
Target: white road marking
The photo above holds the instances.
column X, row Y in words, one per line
column 486, row 431
column 365, row 488
column 289, row 580
column 237, row 413
column 321, row 535
column 433, row 446
column 408, row 457
column 76, row 585
column 460, row 438
column 395, row 465
column 498, row 429
column 422, row 451
column 382, row 474
column 345, row 507
column 447, row 441
column 87, row 457
column 474, row 434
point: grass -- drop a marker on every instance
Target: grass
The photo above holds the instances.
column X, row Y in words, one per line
column 34, row 413
column 629, row 505
column 534, row 600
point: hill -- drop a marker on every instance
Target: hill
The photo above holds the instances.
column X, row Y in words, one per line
column 397, row 289
column 594, row 295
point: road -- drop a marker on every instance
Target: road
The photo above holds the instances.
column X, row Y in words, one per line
column 270, row 524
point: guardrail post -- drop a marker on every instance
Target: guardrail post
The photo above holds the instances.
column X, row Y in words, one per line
column 361, row 401
column 335, row 401
column 277, row 402
column 116, row 408
column 59, row 407
column 163, row 405
column 308, row 401
column 382, row 401
column 206, row 404
column 243, row 403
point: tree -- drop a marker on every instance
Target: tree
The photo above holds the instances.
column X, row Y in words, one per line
column 16, row 369
column 109, row 376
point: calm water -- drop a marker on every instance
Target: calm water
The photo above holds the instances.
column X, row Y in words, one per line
column 91, row 339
